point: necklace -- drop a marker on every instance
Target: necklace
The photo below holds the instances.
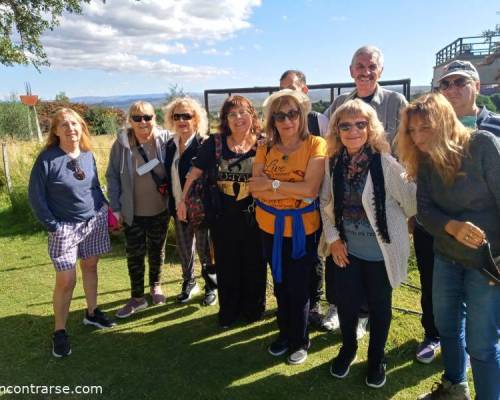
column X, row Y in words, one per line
column 238, row 148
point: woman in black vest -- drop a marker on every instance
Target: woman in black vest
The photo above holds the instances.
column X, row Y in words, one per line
column 188, row 121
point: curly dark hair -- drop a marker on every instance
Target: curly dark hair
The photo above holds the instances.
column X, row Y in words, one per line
column 238, row 101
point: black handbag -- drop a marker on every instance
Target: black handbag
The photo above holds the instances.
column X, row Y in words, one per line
column 490, row 265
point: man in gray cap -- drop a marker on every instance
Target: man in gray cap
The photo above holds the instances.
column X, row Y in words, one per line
column 459, row 83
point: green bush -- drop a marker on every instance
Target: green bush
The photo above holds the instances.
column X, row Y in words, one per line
column 14, row 123
column 485, row 101
column 101, row 121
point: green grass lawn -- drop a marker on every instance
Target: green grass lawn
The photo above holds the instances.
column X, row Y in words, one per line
column 175, row 351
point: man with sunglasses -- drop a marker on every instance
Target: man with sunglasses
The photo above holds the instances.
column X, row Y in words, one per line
column 366, row 68
column 459, row 83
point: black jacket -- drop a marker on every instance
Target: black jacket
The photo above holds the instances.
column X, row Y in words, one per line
column 184, row 165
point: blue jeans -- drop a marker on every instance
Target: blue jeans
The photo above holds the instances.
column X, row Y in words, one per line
column 467, row 313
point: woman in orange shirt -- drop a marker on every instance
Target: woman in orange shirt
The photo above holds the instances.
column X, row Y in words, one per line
column 286, row 177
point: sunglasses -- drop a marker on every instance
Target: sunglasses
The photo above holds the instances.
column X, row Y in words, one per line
column 346, row 126
column 74, row 165
column 182, row 117
column 459, row 83
column 280, row 116
column 139, row 118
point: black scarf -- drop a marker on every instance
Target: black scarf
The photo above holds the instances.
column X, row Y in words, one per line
column 354, row 168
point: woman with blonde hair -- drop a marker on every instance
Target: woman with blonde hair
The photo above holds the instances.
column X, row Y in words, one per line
column 365, row 201
column 188, row 121
column 458, row 180
column 66, row 197
column 137, row 192
column 286, row 178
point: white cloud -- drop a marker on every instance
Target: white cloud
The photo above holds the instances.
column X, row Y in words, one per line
column 214, row 52
column 138, row 36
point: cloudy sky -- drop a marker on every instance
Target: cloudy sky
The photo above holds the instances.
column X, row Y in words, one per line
column 137, row 47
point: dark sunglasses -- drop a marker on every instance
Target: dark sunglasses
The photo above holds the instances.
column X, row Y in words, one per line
column 182, row 117
column 292, row 115
column 346, row 126
column 139, row 118
column 78, row 173
column 459, row 83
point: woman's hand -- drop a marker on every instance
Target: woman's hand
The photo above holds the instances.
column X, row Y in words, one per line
column 182, row 211
column 339, row 253
column 259, row 183
column 466, row 233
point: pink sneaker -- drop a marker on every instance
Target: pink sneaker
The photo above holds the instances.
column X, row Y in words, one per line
column 131, row 307
column 157, row 295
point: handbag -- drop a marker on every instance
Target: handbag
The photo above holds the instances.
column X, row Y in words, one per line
column 113, row 223
column 203, row 203
column 490, row 265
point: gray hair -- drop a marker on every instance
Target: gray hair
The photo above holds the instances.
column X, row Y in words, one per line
column 370, row 50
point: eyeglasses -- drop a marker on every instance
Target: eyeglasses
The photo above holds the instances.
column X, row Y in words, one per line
column 139, row 118
column 459, row 83
column 74, row 165
column 238, row 114
column 280, row 116
column 182, row 117
column 346, row 126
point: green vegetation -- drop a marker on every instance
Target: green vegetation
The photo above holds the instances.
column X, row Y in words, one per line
column 101, row 120
column 176, row 351
column 15, row 120
column 486, row 101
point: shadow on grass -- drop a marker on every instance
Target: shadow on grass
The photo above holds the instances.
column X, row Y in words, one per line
column 17, row 223
column 169, row 352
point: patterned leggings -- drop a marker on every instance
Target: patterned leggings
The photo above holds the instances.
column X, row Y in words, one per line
column 145, row 235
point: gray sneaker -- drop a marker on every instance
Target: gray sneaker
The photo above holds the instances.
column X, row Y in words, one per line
column 297, row 357
column 444, row 390
column 132, row 307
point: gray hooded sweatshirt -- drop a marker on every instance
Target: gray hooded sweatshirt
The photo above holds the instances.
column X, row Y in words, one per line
column 120, row 172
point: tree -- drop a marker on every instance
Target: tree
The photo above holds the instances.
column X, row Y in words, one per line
column 174, row 91
column 485, row 101
column 61, row 96
column 22, row 22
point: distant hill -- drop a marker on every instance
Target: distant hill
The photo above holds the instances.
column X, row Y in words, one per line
column 215, row 100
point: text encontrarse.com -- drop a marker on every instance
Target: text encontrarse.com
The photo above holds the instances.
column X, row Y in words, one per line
column 49, row 389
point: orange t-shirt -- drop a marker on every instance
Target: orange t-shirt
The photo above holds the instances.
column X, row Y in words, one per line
column 291, row 168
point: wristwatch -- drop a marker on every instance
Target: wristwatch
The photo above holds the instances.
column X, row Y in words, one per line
column 275, row 184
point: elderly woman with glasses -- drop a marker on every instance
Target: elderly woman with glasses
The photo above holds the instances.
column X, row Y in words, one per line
column 458, row 197
column 188, row 121
column 137, row 192
column 365, row 203
column 66, row 197
column 241, row 270
column 286, row 178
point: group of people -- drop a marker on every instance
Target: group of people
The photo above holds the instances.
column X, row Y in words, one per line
column 330, row 197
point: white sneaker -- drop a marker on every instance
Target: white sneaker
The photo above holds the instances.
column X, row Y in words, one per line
column 362, row 330
column 331, row 320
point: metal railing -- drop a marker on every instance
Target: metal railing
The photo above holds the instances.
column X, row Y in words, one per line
column 335, row 89
column 472, row 46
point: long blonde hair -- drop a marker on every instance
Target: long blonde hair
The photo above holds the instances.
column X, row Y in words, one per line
column 448, row 143
column 53, row 139
column 376, row 135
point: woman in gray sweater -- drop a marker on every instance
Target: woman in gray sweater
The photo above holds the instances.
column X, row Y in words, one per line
column 458, row 198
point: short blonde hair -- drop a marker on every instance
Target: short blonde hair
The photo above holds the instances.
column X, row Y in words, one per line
column 53, row 139
column 199, row 114
column 449, row 141
column 272, row 134
column 376, row 134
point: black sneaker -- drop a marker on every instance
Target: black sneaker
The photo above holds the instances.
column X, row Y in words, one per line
column 60, row 344
column 210, row 298
column 99, row 319
column 189, row 289
column 375, row 377
column 278, row 347
column 340, row 366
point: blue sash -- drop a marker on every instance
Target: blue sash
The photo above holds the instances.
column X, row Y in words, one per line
column 298, row 234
